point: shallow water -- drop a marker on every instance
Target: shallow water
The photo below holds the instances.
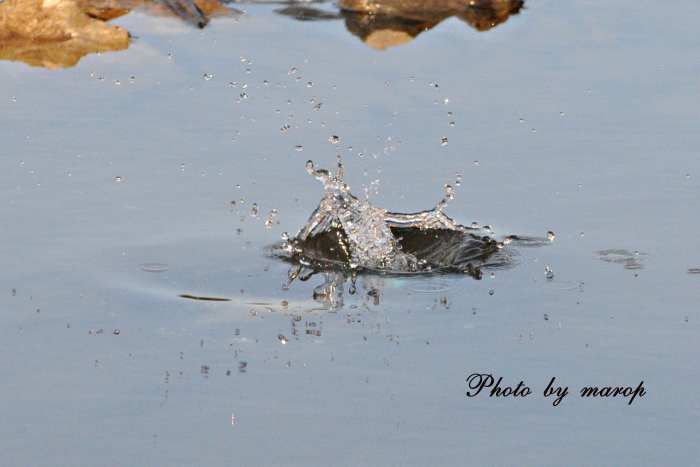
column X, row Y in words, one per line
column 99, row 179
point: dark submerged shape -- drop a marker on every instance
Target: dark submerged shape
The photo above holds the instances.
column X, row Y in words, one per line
column 352, row 236
column 438, row 251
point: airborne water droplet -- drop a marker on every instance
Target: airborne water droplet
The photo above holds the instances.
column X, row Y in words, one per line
column 298, row 148
column 254, row 210
column 207, row 76
column 444, row 141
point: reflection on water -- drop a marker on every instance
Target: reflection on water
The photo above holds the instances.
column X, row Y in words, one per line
column 53, row 33
column 387, row 23
column 346, row 236
column 195, row 12
column 58, row 33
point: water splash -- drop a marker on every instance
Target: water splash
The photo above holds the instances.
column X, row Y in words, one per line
column 356, row 236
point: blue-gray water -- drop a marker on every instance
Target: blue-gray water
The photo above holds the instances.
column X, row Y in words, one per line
column 609, row 88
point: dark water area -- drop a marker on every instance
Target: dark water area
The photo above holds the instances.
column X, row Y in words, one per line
column 143, row 320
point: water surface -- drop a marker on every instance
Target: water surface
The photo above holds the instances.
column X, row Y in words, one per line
column 573, row 117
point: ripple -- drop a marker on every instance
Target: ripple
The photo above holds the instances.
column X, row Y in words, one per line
column 208, row 299
column 426, row 286
column 154, row 267
column 573, row 286
column 628, row 260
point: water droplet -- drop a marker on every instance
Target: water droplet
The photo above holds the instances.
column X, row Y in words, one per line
column 491, row 292
column 549, row 273
column 582, row 234
column 475, row 225
column 533, row 130
column 132, row 79
column 452, row 123
column 119, row 179
column 116, row 332
column 689, row 271
column 237, row 332
column 282, row 339
column 117, row 82
column 14, row 292
column 248, row 70
column 269, row 223
column 207, row 76
column 182, row 167
column 521, row 120
column 298, row 148
column 253, row 210
column 273, row 213
column 444, row 141
column 546, row 317
column 550, row 235
column 285, row 128
column 334, row 139
column 561, row 113
column 292, row 71
column 232, row 84
column 309, row 84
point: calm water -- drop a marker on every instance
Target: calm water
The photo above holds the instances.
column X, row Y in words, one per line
column 103, row 363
